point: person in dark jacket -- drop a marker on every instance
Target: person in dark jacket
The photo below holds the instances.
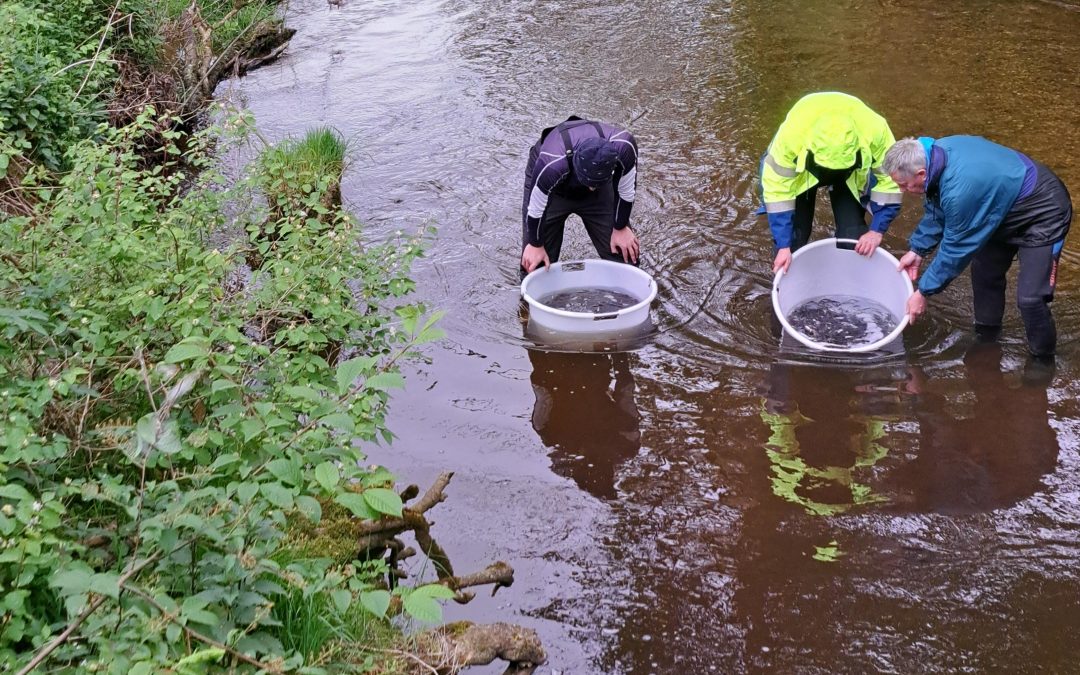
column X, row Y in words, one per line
column 586, row 168
column 986, row 205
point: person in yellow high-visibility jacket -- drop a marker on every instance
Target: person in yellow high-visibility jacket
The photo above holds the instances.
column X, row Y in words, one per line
column 832, row 140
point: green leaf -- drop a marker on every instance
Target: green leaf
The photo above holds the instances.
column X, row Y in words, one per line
column 73, row 581
column 305, row 393
column 327, row 476
column 193, row 347
column 376, row 602
column 222, row 385
column 435, row 591
column 251, row 427
column 277, row 495
column 195, row 664
column 385, row 381
column 348, row 371
column 225, row 460
column 106, row 583
column 342, row 599
column 152, row 432
column 339, row 421
column 384, row 501
column 205, row 617
column 357, row 505
column 189, row 520
column 422, row 608
column 285, row 470
column 15, row 492
column 310, row 507
column 246, row 491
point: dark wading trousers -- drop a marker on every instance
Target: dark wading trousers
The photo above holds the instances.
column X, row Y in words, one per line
column 1034, row 291
column 1045, row 213
column 848, row 212
column 596, row 210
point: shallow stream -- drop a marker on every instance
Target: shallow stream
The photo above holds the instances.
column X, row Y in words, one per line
column 710, row 502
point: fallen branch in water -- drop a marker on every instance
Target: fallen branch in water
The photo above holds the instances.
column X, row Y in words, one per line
column 448, row 649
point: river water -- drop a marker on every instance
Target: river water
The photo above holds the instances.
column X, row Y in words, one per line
column 710, row 502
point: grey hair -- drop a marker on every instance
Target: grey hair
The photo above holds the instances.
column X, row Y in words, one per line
column 904, row 158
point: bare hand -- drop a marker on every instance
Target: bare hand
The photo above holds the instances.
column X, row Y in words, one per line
column 625, row 242
column 910, row 264
column 868, row 243
column 916, row 306
column 533, row 256
column 782, row 261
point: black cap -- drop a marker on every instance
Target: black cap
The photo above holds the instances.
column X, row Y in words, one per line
column 594, row 161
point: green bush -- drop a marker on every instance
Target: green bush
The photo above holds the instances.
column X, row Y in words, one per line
column 164, row 422
column 49, row 95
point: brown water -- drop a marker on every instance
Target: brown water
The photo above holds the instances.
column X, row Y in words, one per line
column 709, row 503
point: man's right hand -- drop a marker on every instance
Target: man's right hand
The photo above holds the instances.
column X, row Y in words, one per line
column 910, row 263
column 782, row 261
column 533, row 256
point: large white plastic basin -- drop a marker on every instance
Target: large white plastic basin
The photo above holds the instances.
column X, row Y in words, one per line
column 588, row 274
column 821, row 269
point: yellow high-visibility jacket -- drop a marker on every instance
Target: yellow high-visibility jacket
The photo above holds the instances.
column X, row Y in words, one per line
column 839, row 129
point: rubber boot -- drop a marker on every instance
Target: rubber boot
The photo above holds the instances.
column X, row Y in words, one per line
column 1041, row 330
column 986, row 333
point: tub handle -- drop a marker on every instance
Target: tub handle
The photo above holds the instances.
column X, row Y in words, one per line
column 605, row 317
column 572, row 267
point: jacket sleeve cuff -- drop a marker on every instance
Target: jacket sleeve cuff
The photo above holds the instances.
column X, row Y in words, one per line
column 883, row 217
column 780, row 222
column 532, row 229
column 622, row 213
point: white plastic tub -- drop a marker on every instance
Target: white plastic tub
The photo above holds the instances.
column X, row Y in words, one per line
column 821, row 269
column 588, row 274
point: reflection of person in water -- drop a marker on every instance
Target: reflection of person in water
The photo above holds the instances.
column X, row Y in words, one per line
column 982, row 454
column 585, row 412
column 824, row 435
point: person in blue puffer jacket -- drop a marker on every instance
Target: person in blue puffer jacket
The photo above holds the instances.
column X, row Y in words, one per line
column 986, row 205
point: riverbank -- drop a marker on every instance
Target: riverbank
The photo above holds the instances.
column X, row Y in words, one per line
column 180, row 488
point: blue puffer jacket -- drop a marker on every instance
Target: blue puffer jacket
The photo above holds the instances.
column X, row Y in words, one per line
column 965, row 202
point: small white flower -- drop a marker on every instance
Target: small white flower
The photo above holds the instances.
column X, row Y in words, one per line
column 36, row 506
column 84, row 321
column 194, row 322
column 8, row 510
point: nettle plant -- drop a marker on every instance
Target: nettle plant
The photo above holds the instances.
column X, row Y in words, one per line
column 165, row 423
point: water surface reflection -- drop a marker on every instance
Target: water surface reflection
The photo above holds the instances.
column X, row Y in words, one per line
column 586, row 414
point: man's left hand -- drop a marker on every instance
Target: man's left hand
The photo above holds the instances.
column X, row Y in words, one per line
column 916, row 306
column 868, row 243
column 625, row 242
